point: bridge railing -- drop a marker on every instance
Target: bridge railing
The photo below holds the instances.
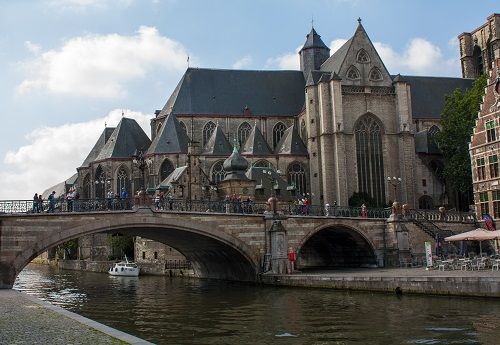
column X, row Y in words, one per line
column 58, row 206
column 245, row 207
column 177, row 205
column 239, row 207
column 436, row 216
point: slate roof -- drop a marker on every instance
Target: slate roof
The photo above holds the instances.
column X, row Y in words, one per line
column 227, row 92
column 313, row 40
column 127, row 139
column 235, row 166
column 314, row 77
column 174, row 177
column 171, row 138
column 218, row 144
column 60, row 188
column 291, row 143
column 334, row 62
column 257, row 174
column 106, row 133
column 428, row 94
column 256, row 144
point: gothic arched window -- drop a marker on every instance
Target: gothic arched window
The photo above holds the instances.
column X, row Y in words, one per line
column 86, row 187
column 218, row 172
column 243, row 132
column 122, row 180
column 100, row 183
column 183, row 126
column 166, row 169
column 369, row 157
column 296, row 175
column 303, row 131
column 375, row 74
column 208, row 131
column 263, row 164
column 353, row 73
column 363, row 56
column 278, row 131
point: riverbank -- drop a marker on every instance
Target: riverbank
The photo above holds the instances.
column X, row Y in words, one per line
column 27, row 320
column 485, row 283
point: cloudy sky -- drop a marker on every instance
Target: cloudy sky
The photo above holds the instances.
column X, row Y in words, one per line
column 67, row 67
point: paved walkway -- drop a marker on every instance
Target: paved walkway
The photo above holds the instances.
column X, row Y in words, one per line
column 484, row 283
column 27, row 320
column 402, row 272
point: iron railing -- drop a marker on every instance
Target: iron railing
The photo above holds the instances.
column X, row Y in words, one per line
column 58, row 206
column 235, row 207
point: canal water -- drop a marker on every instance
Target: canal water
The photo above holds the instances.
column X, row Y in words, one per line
column 167, row 310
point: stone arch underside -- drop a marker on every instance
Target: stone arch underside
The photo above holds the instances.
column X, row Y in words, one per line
column 336, row 247
column 213, row 253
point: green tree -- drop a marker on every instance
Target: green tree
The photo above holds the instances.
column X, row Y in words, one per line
column 121, row 245
column 457, row 122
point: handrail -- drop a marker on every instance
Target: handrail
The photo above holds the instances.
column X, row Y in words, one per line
column 427, row 225
column 179, row 205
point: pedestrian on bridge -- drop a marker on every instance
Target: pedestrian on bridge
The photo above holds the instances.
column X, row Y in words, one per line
column 40, row 203
column 35, row 203
column 52, row 202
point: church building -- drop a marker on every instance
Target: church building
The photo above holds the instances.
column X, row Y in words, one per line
column 339, row 126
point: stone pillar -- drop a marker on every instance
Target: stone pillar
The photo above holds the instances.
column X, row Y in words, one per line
column 394, row 237
column 406, row 144
column 279, row 245
column 339, row 171
column 326, row 142
column 312, row 125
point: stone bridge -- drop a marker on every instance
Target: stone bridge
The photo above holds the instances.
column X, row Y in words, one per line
column 219, row 245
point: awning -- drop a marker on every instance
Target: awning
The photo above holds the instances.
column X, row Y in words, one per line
column 478, row 234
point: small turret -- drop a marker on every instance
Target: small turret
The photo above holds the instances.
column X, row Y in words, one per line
column 313, row 53
column 235, row 166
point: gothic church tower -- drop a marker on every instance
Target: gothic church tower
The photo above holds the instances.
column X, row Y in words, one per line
column 313, row 53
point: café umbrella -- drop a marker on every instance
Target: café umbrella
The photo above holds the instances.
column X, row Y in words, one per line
column 478, row 234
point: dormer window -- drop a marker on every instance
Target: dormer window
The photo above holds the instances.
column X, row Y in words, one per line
column 375, row 74
column 353, row 73
column 363, row 56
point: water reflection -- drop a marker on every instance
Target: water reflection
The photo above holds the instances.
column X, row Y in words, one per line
column 175, row 311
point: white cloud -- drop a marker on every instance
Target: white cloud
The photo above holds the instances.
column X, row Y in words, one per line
column 454, row 43
column 286, row 61
column 33, row 47
column 53, row 153
column 419, row 57
column 336, row 44
column 243, row 62
column 101, row 66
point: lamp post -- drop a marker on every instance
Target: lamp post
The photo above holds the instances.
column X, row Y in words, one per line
column 272, row 201
column 394, row 182
column 141, row 163
column 105, row 184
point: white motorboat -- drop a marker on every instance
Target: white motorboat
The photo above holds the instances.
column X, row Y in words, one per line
column 125, row 269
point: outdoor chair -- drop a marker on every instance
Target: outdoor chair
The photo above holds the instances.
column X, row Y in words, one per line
column 440, row 265
column 494, row 265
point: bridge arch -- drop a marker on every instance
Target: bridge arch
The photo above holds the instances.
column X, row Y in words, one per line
column 213, row 253
column 336, row 245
